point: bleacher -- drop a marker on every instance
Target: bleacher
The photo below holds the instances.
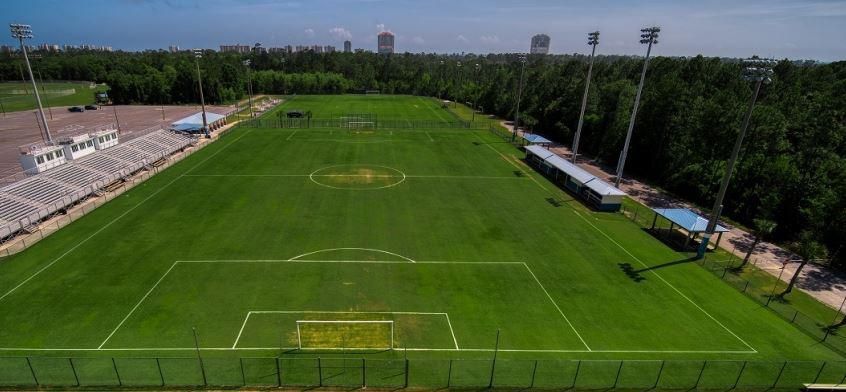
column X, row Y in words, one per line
column 27, row 202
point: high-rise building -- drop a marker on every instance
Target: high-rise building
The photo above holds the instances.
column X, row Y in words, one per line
column 347, row 46
column 328, row 49
column 385, row 41
column 235, row 48
column 173, row 48
column 540, row 44
column 302, row 48
column 7, row 49
column 317, row 48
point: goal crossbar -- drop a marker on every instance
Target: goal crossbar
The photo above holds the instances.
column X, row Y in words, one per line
column 387, row 322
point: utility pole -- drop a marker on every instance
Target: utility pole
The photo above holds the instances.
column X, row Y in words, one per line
column 755, row 70
column 593, row 41
column 21, row 32
column 522, row 58
column 49, row 110
column 648, row 36
column 198, row 53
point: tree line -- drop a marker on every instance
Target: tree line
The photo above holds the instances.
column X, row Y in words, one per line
column 791, row 171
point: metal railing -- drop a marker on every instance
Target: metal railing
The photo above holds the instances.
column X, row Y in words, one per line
column 413, row 373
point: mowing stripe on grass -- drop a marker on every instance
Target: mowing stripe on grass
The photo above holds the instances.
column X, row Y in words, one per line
column 80, row 243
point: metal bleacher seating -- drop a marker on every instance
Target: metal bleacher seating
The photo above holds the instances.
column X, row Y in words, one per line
column 28, row 201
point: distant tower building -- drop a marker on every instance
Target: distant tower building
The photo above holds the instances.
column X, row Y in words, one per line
column 328, row 49
column 347, row 46
column 173, row 48
column 540, row 44
column 385, row 42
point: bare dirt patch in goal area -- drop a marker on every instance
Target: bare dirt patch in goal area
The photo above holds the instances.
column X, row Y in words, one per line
column 357, row 177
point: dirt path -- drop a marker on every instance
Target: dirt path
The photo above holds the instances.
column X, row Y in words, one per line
column 819, row 282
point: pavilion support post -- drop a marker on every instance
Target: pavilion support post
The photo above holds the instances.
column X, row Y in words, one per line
column 654, row 219
column 717, row 244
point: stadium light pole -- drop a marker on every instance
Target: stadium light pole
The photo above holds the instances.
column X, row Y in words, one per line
column 458, row 73
column 198, row 53
column 593, row 41
column 21, row 32
column 249, row 85
column 476, row 96
column 648, row 36
column 522, row 58
column 759, row 71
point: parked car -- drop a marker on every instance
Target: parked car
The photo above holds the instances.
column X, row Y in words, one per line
column 91, row 107
column 76, row 109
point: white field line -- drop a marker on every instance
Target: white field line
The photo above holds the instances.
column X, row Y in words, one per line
column 507, row 159
column 364, row 175
column 345, row 261
column 556, row 306
column 363, row 249
column 430, row 136
column 80, row 243
column 137, row 305
column 241, row 330
column 382, row 348
column 454, row 340
column 666, row 282
column 292, row 134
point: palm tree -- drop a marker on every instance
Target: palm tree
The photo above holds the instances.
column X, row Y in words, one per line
column 763, row 228
column 808, row 249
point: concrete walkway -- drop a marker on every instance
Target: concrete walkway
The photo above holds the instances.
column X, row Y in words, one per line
column 826, row 286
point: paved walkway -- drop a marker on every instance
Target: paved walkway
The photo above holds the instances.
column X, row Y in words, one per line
column 826, row 286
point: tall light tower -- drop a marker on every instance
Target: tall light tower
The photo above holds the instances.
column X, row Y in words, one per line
column 198, row 54
column 21, row 32
column 476, row 96
column 458, row 83
column 249, row 85
column 522, row 58
column 593, row 40
column 648, row 36
column 759, row 71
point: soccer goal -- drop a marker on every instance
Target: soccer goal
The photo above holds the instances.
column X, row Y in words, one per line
column 345, row 334
column 372, row 92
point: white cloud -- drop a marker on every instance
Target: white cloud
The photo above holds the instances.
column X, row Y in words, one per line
column 309, row 33
column 340, row 33
column 381, row 27
column 462, row 39
column 489, row 39
column 418, row 40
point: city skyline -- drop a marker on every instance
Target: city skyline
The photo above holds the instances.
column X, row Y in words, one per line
column 732, row 30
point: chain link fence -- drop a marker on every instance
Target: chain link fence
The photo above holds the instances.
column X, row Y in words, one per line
column 761, row 286
column 414, row 373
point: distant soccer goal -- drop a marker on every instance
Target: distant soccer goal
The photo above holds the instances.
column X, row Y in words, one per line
column 358, row 121
column 372, row 92
column 345, row 334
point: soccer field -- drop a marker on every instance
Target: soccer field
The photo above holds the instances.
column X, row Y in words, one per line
column 17, row 96
column 428, row 241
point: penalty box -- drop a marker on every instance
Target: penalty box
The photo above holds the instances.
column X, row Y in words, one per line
column 433, row 305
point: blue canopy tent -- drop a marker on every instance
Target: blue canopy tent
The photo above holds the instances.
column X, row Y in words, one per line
column 532, row 139
column 687, row 220
column 194, row 122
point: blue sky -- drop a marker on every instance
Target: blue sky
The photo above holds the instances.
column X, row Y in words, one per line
column 797, row 29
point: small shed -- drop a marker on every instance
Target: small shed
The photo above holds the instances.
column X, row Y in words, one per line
column 692, row 223
column 598, row 193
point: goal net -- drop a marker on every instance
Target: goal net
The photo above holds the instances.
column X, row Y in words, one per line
column 345, row 334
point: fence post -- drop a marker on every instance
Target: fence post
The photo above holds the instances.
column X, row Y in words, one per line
column 617, row 378
column 576, row 376
column 319, row 372
column 780, row 372
column 449, row 374
column 278, row 373
column 31, row 370
column 243, row 375
column 73, row 369
column 819, row 372
column 363, row 373
column 724, row 273
column 658, row 378
column 405, row 385
column 704, row 363
column 161, row 374
column 742, row 368
column 114, row 365
column 534, row 371
column 746, row 286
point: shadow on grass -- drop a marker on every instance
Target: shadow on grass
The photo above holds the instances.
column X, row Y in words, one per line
column 637, row 274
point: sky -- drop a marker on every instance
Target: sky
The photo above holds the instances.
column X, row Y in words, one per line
column 795, row 29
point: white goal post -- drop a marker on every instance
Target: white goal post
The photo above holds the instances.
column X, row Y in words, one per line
column 304, row 325
column 360, row 124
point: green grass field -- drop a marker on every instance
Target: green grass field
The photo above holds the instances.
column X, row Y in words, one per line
column 16, row 96
column 445, row 232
